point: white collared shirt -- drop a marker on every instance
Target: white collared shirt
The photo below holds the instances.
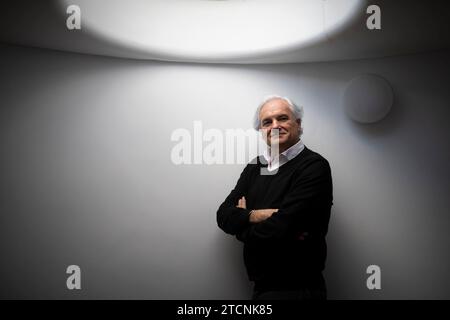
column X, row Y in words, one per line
column 285, row 156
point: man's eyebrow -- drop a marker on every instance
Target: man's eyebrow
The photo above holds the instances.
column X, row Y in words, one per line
column 275, row 116
column 279, row 115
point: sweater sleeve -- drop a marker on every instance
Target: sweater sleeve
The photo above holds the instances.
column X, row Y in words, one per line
column 231, row 219
column 309, row 196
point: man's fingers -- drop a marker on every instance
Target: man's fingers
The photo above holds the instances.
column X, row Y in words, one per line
column 241, row 203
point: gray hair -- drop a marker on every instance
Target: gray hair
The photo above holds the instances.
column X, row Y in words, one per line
column 296, row 110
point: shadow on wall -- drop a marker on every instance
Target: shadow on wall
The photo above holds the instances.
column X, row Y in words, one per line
column 87, row 177
column 24, row 22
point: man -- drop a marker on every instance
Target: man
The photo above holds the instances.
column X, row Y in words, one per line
column 282, row 218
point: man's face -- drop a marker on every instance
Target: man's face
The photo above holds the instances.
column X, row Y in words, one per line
column 276, row 114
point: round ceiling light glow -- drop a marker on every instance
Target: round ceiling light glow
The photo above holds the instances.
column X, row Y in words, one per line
column 368, row 98
column 199, row 30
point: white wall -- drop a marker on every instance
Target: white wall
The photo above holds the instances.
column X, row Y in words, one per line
column 87, row 178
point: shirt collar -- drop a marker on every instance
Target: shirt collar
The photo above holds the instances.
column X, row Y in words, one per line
column 289, row 153
column 294, row 150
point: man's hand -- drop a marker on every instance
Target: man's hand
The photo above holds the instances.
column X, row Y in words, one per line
column 261, row 215
column 242, row 203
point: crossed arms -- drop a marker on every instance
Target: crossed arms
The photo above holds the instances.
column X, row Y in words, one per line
column 256, row 216
column 309, row 193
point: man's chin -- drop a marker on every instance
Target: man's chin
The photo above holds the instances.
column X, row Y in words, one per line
column 281, row 140
column 279, row 143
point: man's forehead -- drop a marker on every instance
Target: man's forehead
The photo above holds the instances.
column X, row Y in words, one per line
column 273, row 107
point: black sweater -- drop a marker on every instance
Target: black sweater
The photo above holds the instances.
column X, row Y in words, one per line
column 288, row 249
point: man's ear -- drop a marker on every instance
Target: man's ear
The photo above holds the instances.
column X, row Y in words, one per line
column 299, row 126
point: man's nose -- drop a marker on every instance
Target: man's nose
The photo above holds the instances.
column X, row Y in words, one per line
column 274, row 129
column 275, row 124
